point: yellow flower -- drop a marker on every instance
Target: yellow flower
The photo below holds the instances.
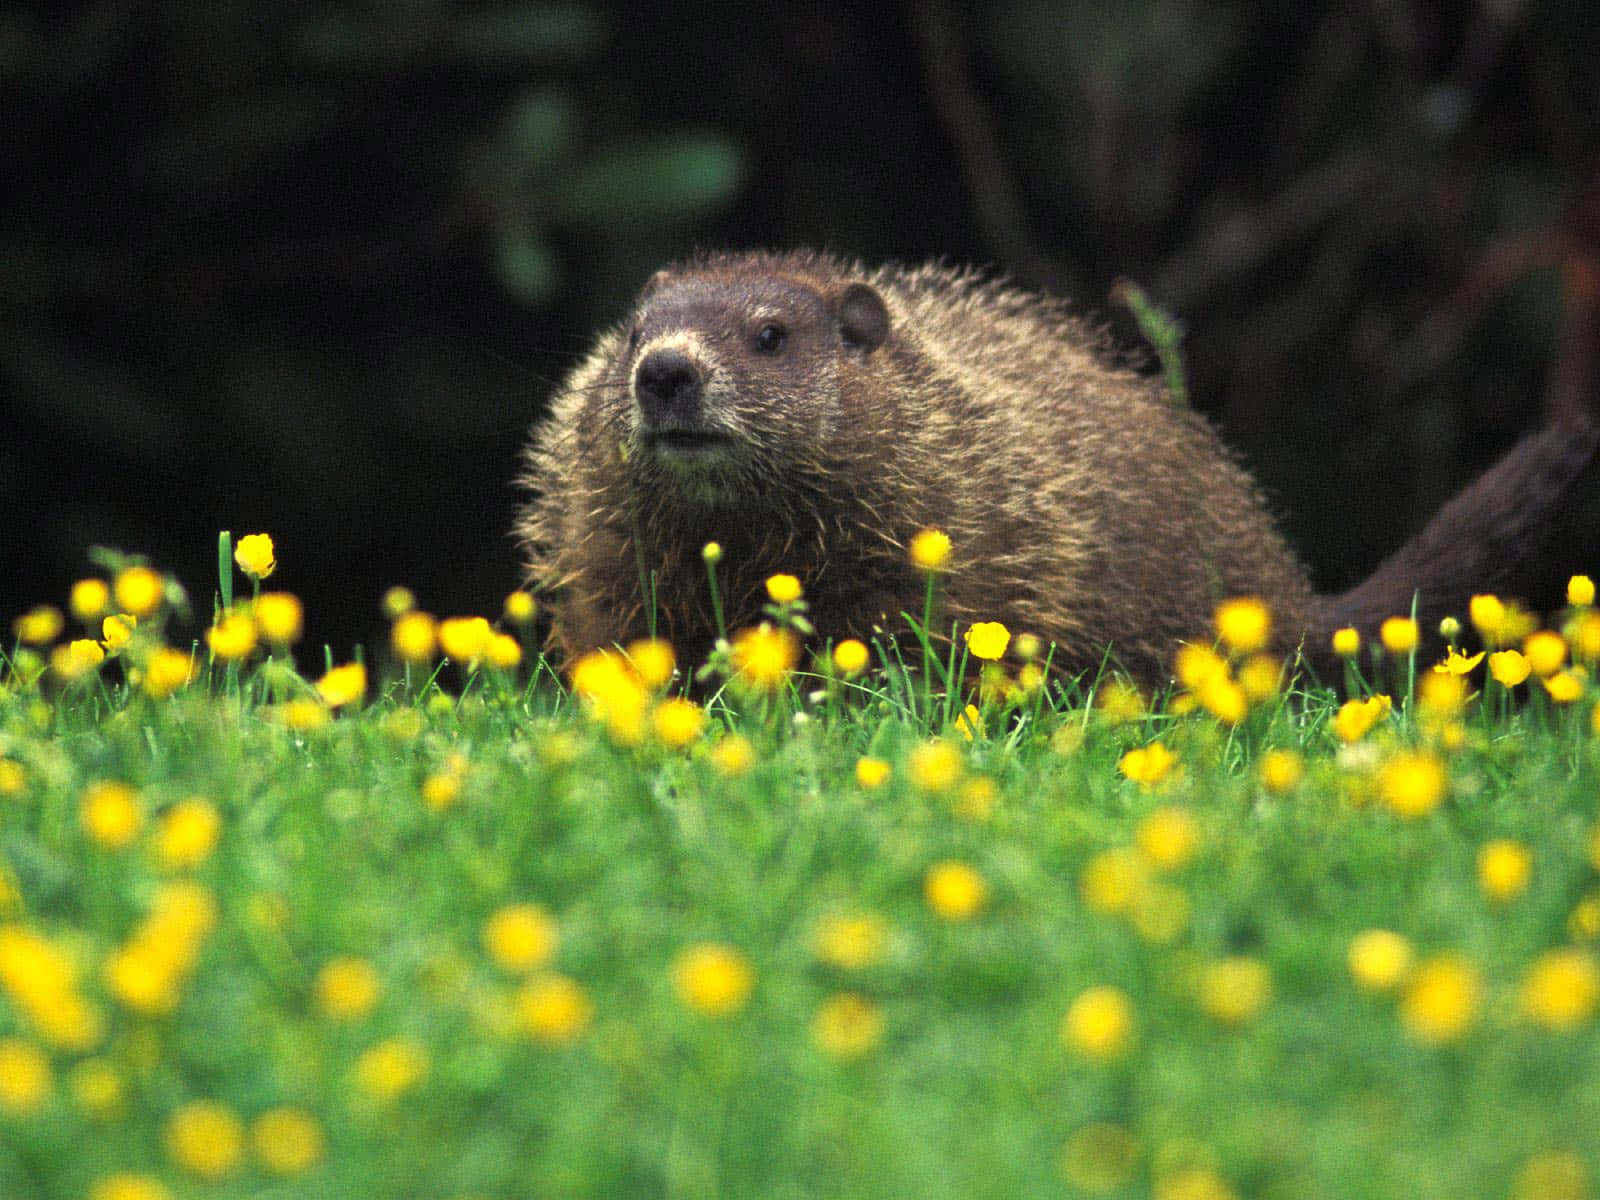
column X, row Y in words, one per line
column 612, row 693
column 39, row 626
column 139, row 590
column 42, row 983
column 1580, row 591
column 1168, row 837
column 988, row 640
column 1457, row 663
column 1193, row 1183
column 1509, row 667
column 1234, row 990
column 13, row 779
column 969, row 722
column 392, row 1068
column 1100, row 1158
column 346, row 989
column 232, row 637
column 503, row 652
column 206, row 1138
column 1114, row 880
column 1504, row 868
column 1583, row 636
column 166, row 671
column 678, row 722
column 24, row 1077
column 255, row 556
column 850, row 657
column 1379, row 959
column 1561, row 989
column 954, row 890
column 440, row 790
column 1147, row 765
column 521, row 936
column 1260, row 676
column 279, row 617
column 733, row 755
column 397, row 601
column 1243, row 624
column 1224, row 699
column 89, row 599
column 76, row 659
column 1564, row 687
column 520, row 608
column 1120, row 702
column 343, row 685
column 1398, row 635
column 126, row 1186
column 930, row 550
column 712, row 978
column 97, row 1089
column 1552, row 1175
column 652, row 662
column 1545, row 651
column 850, row 942
column 414, row 637
column 111, row 814
column 1412, row 783
column 118, row 630
column 872, row 773
column 847, row 1025
column 764, row 656
column 553, row 1009
column 1441, row 1000
column 188, row 833
column 975, row 799
column 783, row 589
column 301, row 715
column 1356, row 717
column 1281, row 771
column 934, row 766
column 1488, row 614
column 464, row 639
column 1099, row 1023
column 287, row 1140
column 1346, row 642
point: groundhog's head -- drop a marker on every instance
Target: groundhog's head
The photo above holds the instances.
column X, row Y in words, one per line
column 736, row 377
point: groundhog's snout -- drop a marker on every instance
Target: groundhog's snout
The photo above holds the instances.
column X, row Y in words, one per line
column 667, row 385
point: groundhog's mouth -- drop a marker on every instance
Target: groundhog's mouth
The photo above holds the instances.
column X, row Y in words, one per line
column 686, row 443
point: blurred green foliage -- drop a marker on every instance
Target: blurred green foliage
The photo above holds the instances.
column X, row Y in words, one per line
column 311, row 266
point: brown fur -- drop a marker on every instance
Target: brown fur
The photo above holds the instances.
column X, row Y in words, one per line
column 1082, row 505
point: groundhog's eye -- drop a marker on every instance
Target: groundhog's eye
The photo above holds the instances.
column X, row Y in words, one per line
column 770, row 339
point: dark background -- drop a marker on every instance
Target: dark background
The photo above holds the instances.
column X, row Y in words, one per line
column 311, row 267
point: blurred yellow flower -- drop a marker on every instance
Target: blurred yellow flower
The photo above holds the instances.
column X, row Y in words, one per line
column 520, row 608
column 39, row 626
column 1260, row 676
column 1504, row 868
column 111, row 814
column 117, row 630
column 1100, row 1158
column 1398, row 635
column 440, row 790
column 397, row 601
column 1580, row 591
column 1488, row 615
column 930, row 550
column 279, row 617
column 187, row 833
column 612, row 693
column 1119, row 702
column 503, row 652
column 1192, row 1183
column 678, row 722
column 1356, row 717
column 1281, row 771
column 89, row 599
column 13, row 779
column 76, row 659
column 1509, row 667
column 464, row 639
column 1196, row 665
column 392, row 1068
column 652, row 661
column 1441, row 999
column 872, row 773
column 301, row 715
column 255, row 555
column 343, row 685
column 764, row 656
column 1099, row 1023
column 1234, row 990
column 783, row 589
column 1244, row 624
column 1379, row 959
column 850, row 657
column 1412, row 783
column 1561, row 988
column 41, row 981
column 1564, row 687
column 934, row 766
column 232, row 637
column 139, row 590
column 1224, row 699
column 954, row 891
column 1545, row 651
column 521, row 937
column 1113, row 880
column 1346, row 642
column 553, row 1009
column 166, row 671
column 1168, row 837
column 850, row 942
column 733, row 755
column 287, row 1141
column 1147, row 765
column 346, row 989
column 414, row 637
column 987, row 640
column 125, row 1185
column 1552, row 1175
column 25, row 1077
column 847, row 1025
column 97, row 1089
column 205, row 1138
column 713, row 979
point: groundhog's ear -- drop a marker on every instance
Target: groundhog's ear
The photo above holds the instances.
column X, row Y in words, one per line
column 655, row 281
column 863, row 319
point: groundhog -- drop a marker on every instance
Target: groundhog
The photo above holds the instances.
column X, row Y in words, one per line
column 811, row 416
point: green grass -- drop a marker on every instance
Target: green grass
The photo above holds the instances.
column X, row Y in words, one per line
column 328, row 849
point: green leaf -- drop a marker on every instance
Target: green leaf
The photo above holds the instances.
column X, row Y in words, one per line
column 524, row 263
column 670, row 179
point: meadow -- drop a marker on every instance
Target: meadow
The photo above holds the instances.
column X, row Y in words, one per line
column 442, row 923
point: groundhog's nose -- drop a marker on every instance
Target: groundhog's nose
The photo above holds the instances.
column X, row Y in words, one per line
column 668, row 387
